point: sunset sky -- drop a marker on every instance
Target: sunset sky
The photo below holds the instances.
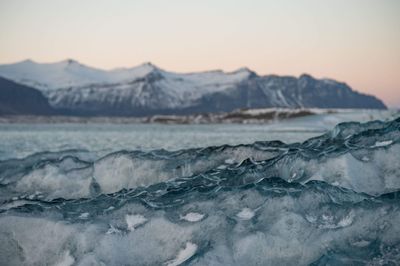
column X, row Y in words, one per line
column 356, row 41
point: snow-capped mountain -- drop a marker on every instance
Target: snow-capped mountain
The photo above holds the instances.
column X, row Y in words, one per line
column 67, row 73
column 74, row 88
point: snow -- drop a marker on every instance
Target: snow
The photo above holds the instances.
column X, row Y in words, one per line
column 69, row 84
column 69, row 77
column 77, row 82
column 68, row 73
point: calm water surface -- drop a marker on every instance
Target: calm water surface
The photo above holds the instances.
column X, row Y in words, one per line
column 20, row 140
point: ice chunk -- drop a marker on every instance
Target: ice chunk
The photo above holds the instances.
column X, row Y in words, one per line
column 361, row 243
column 156, row 242
column 65, row 260
column 109, row 208
column 193, row 217
column 134, row 221
column 382, row 143
column 84, row 215
column 184, row 254
column 329, row 221
column 375, row 176
column 246, row 214
column 53, row 182
column 347, row 220
column 113, row 230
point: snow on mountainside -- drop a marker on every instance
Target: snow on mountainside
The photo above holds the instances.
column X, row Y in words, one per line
column 70, row 73
column 67, row 73
column 146, row 90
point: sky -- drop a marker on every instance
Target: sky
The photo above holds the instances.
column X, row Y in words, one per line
column 355, row 41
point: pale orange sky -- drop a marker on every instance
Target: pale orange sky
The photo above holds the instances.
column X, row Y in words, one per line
column 356, row 41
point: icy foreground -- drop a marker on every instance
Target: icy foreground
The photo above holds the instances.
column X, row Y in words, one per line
column 333, row 199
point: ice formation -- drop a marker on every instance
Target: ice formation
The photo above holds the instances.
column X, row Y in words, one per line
column 333, row 199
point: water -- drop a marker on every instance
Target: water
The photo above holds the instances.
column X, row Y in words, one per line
column 20, row 140
column 171, row 195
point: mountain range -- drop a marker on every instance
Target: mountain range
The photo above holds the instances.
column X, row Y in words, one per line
column 71, row 88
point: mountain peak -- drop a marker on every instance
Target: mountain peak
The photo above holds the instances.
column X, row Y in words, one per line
column 70, row 61
column 28, row 61
column 243, row 69
column 217, row 90
column 306, row 76
column 149, row 66
column 246, row 71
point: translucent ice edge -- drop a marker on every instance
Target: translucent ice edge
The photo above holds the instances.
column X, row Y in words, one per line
column 361, row 157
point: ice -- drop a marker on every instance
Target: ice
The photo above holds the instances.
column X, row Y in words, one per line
column 361, row 243
column 192, row 217
column 134, row 221
column 376, row 175
column 119, row 171
column 155, row 243
column 280, row 234
column 330, row 200
column 39, row 241
column 14, row 204
column 54, row 182
column 184, row 254
column 246, row 214
column 84, row 215
column 328, row 221
column 66, row 260
column 113, row 230
column 382, row 143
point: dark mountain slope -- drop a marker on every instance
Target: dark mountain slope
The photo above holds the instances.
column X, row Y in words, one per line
column 22, row 100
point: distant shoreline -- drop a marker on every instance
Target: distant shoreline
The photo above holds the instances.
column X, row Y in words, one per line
column 250, row 116
column 244, row 116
